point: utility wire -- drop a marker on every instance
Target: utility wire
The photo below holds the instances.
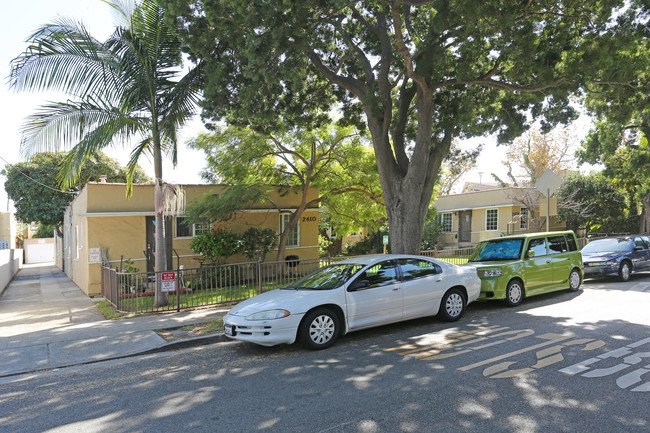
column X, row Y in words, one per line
column 35, row 181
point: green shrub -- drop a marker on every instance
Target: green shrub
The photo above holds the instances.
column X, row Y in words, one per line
column 258, row 242
column 217, row 247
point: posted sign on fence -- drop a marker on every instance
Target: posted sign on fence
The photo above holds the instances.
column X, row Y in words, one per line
column 168, row 282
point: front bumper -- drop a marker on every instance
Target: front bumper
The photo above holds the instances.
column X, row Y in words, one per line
column 493, row 288
column 600, row 270
column 264, row 332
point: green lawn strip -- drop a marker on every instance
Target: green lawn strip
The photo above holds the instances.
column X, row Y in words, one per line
column 197, row 298
column 111, row 313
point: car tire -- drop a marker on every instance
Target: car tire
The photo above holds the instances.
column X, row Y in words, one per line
column 319, row 329
column 452, row 305
column 625, row 271
column 514, row 293
column 574, row 280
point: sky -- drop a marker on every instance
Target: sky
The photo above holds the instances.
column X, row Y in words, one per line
column 97, row 17
column 15, row 107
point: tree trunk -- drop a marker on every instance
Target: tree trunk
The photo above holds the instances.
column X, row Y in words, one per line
column 645, row 215
column 408, row 180
column 161, row 298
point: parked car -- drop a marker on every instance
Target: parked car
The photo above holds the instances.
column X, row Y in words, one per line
column 354, row 294
column 616, row 256
column 515, row 267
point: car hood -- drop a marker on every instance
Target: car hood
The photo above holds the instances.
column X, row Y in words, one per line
column 296, row 301
column 600, row 256
column 490, row 264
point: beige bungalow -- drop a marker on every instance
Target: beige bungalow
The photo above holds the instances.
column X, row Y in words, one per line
column 471, row 217
column 102, row 226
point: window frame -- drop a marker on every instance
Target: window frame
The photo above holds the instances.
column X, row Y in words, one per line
column 523, row 219
column 488, row 220
column 193, row 232
column 283, row 224
column 441, row 219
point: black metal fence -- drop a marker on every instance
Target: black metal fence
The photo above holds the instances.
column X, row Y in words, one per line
column 202, row 286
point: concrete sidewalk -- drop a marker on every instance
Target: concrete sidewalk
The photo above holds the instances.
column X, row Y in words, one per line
column 47, row 322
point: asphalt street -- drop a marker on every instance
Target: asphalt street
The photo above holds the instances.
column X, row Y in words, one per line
column 563, row 362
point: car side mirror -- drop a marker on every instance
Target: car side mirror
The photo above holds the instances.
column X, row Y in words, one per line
column 530, row 254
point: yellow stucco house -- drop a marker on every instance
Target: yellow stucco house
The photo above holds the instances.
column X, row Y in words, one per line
column 471, row 217
column 102, row 226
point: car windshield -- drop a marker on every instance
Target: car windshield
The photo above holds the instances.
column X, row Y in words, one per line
column 327, row 278
column 609, row 246
column 497, row 249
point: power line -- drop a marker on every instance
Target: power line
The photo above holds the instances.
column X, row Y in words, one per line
column 35, row 181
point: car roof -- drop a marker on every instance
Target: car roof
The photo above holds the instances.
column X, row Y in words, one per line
column 366, row 260
column 531, row 235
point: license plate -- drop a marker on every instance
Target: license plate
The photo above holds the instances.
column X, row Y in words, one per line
column 229, row 330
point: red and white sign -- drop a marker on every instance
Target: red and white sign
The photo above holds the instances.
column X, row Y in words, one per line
column 168, row 282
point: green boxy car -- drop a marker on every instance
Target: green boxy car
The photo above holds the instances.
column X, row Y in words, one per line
column 514, row 267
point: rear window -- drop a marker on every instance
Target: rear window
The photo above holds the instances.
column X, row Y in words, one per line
column 557, row 244
column 571, row 240
column 416, row 268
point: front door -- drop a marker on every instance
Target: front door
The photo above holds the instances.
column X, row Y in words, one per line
column 465, row 226
column 150, row 248
column 379, row 301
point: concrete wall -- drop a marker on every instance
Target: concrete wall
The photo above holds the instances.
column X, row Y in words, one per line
column 10, row 263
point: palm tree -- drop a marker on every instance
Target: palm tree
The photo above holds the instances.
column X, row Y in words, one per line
column 129, row 88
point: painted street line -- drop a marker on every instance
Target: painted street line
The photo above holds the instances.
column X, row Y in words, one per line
column 630, row 358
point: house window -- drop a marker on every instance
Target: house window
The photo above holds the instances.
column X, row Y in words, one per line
column 76, row 241
column 293, row 239
column 445, row 220
column 200, row 228
column 523, row 220
column 492, row 219
column 185, row 230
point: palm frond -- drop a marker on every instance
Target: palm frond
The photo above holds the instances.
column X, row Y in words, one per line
column 64, row 57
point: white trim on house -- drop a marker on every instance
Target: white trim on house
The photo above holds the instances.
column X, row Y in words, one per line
column 152, row 213
column 495, row 206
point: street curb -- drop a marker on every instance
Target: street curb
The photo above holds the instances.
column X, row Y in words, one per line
column 190, row 342
column 173, row 345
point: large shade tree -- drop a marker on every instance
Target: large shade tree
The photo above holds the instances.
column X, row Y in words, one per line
column 620, row 103
column 417, row 73
column 129, row 89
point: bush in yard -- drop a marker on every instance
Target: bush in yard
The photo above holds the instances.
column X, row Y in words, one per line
column 217, row 247
column 258, row 242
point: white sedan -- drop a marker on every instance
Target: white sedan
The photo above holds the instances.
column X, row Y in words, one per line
column 354, row 294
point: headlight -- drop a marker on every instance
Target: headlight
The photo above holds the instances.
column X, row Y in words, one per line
column 268, row 315
column 492, row 273
column 612, row 263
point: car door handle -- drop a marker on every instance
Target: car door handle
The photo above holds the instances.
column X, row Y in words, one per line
column 395, row 288
column 438, row 280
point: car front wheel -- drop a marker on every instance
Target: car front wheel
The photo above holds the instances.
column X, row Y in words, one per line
column 514, row 293
column 452, row 305
column 319, row 329
column 574, row 280
column 625, row 271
